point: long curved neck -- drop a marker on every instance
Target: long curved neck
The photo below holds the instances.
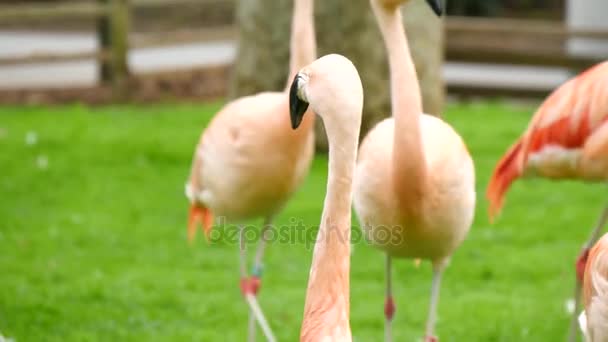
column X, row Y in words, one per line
column 409, row 164
column 326, row 311
column 302, row 44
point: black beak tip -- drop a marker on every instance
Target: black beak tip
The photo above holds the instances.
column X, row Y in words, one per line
column 295, row 123
column 297, row 107
column 436, row 6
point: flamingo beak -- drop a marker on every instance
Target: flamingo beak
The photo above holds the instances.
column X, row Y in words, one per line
column 297, row 107
column 436, row 6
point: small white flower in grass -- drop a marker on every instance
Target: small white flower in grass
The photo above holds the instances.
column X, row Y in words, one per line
column 42, row 161
column 570, row 306
column 6, row 339
column 31, row 138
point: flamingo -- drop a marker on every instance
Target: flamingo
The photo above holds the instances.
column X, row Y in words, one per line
column 594, row 320
column 415, row 180
column 332, row 87
column 567, row 138
column 248, row 163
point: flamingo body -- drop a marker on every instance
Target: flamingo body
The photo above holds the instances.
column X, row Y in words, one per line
column 445, row 213
column 567, row 138
column 252, row 161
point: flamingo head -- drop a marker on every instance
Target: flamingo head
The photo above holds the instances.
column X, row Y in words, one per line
column 331, row 86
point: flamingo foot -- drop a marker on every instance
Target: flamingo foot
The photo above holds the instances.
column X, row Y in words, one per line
column 255, row 283
column 389, row 308
column 431, row 339
column 251, row 286
column 581, row 261
column 199, row 214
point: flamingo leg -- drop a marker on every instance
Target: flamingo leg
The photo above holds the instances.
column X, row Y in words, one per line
column 580, row 267
column 435, row 287
column 256, row 278
column 249, row 288
column 389, row 305
column 244, row 281
column 242, row 252
column 259, row 255
column 251, row 327
column 573, row 334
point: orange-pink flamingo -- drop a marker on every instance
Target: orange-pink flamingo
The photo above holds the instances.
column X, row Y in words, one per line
column 567, row 138
column 332, row 87
column 248, row 163
column 415, row 180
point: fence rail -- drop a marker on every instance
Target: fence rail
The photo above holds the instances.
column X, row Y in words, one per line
column 184, row 36
column 513, row 42
column 29, row 12
column 516, row 41
column 51, row 57
column 537, row 28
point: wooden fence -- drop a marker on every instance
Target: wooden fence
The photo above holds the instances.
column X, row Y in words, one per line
column 475, row 40
column 112, row 18
column 513, row 42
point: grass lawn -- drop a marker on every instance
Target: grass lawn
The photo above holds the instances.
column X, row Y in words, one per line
column 93, row 239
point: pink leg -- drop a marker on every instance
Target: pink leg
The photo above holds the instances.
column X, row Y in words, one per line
column 389, row 305
column 250, row 286
column 255, row 280
column 581, row 261
column 435, row 286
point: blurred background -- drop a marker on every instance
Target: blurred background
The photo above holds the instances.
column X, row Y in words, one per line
column 50, row 47
column 102, row 103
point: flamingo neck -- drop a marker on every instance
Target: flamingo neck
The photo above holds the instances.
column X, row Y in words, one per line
column 326, row 311
column 303, row 44
column 409, row 164
column 302, row 51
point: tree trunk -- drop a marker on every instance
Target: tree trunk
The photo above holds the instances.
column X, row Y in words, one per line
column 345, row 27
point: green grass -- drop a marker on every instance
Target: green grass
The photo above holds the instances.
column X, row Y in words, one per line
column 94, row 246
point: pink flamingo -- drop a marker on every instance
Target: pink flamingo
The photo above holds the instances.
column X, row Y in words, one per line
column 415, row 180
column 332, row 87
column 248, row 163
column 567, row 138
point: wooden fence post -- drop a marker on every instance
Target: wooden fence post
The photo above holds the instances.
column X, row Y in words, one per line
column 119, row 40
column 103, row 39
